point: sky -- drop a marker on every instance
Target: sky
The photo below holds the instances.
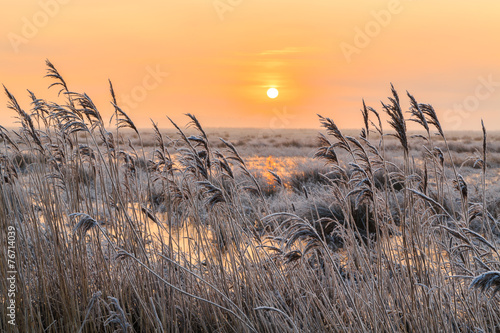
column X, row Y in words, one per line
column 217, row 58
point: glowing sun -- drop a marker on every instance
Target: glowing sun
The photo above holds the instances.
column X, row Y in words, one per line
column 272, row 92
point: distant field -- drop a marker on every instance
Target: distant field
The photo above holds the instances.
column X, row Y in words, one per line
column 303, row 142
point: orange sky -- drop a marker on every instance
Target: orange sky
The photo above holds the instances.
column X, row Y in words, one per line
column 217, row 58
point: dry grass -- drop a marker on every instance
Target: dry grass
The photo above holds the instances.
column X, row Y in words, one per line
column 179, row 231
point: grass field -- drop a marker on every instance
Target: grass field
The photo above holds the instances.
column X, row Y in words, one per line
column 263, row 231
